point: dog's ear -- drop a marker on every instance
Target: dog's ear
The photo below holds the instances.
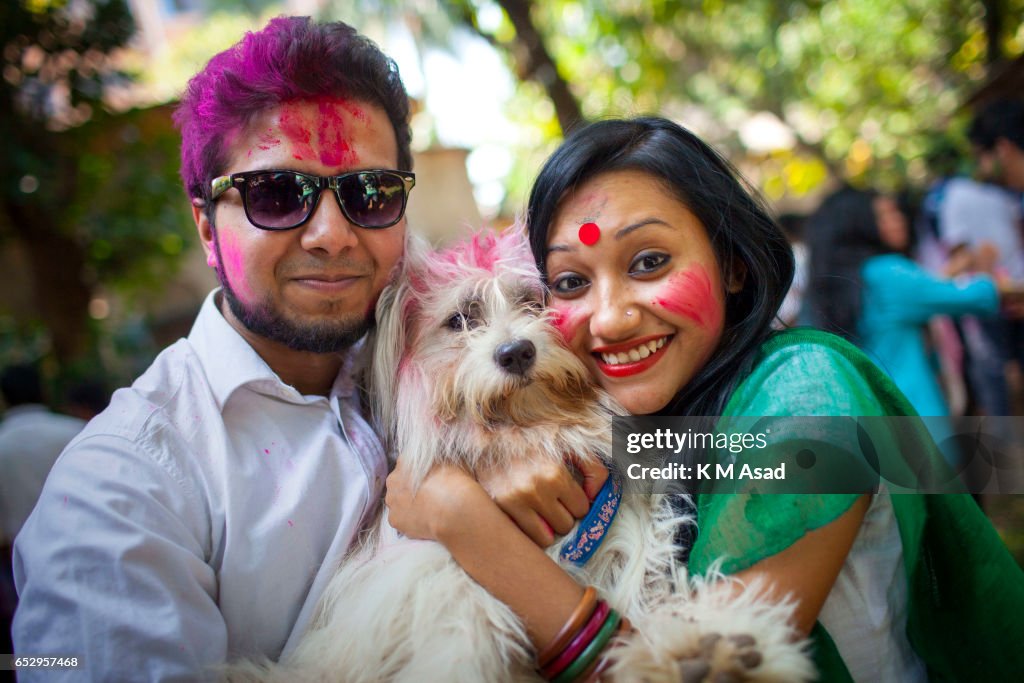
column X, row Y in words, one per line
column 390, row 339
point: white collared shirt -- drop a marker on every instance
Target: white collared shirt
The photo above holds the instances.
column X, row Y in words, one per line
column 973, row 213
column 197, row 519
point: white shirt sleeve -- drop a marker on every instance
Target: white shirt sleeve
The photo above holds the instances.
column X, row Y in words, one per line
column 958, row 214
column 111, row 568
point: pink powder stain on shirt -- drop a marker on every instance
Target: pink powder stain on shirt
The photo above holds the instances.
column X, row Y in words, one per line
column 567, row 320
column 234, row 263
column 688, row 293
column 291, row 523
column 267, row 451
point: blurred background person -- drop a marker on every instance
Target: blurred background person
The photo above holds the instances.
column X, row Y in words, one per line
column 86, row 398
column 792, row 225
column 31, row 438
column 980, row 217
column 945, row 161
column 863, row 286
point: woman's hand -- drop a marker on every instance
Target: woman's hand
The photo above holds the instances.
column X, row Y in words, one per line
column 449, row 496
column 452, row 508
column 544, row 498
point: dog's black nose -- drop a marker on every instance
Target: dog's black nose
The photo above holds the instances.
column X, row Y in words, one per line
column 516, row 357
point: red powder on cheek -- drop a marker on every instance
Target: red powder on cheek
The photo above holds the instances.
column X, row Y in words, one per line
column 567, row 320
column 234, row 264
column 688, row 293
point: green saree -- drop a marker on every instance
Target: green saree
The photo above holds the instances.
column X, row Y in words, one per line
column 965, row 592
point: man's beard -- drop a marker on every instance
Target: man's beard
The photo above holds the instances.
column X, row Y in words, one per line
column 264, row 319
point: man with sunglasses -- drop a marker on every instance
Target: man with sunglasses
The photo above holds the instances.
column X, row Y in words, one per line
column 200, row 516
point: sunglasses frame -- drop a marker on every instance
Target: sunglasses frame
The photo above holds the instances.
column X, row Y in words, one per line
column 222, row 184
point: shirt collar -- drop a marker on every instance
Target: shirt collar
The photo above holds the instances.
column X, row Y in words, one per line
column 230, row 362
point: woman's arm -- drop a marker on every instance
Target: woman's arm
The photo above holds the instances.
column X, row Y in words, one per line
column 914, row 295
column 807, row 569
column 451, row 507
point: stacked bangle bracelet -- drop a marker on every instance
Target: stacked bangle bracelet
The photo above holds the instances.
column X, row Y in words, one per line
column 574, row 654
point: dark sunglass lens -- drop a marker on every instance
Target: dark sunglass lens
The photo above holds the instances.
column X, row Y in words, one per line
column 373, row 200
column 280, row 200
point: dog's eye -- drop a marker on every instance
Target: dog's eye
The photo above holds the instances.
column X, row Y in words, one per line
column 462, row 321
column 533, row 306
column 457, row 321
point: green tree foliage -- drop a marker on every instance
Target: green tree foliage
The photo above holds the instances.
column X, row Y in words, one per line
column 864, row 86
column 88, row 194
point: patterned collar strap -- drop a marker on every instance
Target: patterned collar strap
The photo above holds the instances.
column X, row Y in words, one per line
column 592, row 528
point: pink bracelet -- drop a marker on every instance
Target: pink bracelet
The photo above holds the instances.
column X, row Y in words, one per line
column 582, row 639
column 584, row 610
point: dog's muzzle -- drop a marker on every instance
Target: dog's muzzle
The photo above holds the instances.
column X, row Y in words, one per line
column 516, row 357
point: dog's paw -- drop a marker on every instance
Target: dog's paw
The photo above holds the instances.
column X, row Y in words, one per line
column 711, row 658
column 722, row 659
column 712, row 635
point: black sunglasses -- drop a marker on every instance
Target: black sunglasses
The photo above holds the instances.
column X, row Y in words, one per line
column 282, row 200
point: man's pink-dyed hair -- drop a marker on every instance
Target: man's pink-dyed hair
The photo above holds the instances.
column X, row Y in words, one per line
column 292, row 58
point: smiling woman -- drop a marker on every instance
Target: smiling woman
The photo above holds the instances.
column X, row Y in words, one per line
column 651, row 287
column 671, row 309
column 665, row 273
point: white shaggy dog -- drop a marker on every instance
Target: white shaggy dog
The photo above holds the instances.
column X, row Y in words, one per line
column 468, row 369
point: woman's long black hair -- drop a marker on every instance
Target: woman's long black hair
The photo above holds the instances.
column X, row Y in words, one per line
column 841, row 235
column 738, row 226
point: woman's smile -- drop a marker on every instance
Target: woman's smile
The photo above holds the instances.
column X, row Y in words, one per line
column 632, row 358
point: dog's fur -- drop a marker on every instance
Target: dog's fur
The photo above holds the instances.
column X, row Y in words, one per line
column 403, row 610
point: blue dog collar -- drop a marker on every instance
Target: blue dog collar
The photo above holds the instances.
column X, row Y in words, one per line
column 592, row 528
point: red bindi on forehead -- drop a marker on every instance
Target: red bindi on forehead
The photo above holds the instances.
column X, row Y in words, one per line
column 589, row 234
column 688, row 293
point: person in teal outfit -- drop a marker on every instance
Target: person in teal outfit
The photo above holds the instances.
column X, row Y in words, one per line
column 667, row 273
column 865, row 289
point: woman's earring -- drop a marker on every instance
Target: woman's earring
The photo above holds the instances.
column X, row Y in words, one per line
column 629, row 312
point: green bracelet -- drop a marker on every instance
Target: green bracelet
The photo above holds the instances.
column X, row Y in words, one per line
column 587, row 657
